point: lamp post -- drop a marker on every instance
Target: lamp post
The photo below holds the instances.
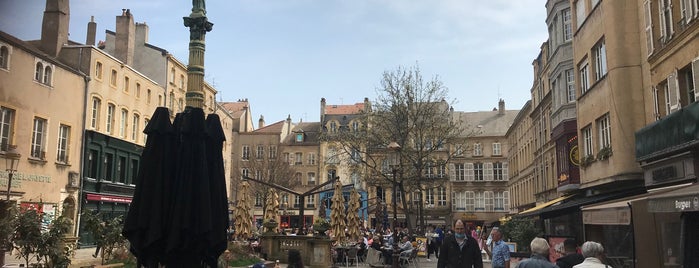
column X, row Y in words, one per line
column 11, row 163
column 395, row 164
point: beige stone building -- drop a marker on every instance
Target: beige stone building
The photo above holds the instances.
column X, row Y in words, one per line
column 519, row 157
column 41, row 108
column 666, row 145
column 479, row 176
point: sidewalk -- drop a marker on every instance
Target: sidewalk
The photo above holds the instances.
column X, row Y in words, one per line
column 83, row 258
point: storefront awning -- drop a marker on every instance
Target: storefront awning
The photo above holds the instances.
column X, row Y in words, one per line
column 617, row 212
column 543, row 205
column 680, row 200
column 574, row 204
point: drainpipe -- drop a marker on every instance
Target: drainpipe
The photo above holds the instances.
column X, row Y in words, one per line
column 79, row 201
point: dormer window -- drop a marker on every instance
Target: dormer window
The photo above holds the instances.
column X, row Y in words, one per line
column 299, row 137
column 333, row 126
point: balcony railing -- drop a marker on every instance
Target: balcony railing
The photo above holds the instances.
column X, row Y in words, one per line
column 675, row 132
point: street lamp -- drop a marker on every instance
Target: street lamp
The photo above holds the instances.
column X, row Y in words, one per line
column 394, row 149
column 11, row 163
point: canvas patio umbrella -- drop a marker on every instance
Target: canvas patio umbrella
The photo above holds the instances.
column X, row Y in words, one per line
column 352, row 215
column 188, row 182
column 243, row 218
column 337, row 213
column 272, row 208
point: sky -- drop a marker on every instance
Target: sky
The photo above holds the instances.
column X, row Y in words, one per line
column 285, row 55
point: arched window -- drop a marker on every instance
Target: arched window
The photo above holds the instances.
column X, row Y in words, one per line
column 39, row 72
column 47, row 75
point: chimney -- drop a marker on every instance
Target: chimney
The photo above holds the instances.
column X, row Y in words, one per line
column 141, row 33
column 322, row 110
column 261, row 122
column 54, row 28
column 91, row 32
column 501, row 107
column 288, row 125
column 125, row 37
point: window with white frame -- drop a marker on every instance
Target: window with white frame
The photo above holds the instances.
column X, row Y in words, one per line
column 333, row 126
column 122, row 123
column 310, row 201
column 441, row 169
column 499, row 171
column 258, row 174
column 605, row 140
column 311, row 178
column 245, row 154
column 39, row 72
column 441, row 196
column 599, row 53
column 666, row 30
column 458, row 201
column 477, row 149
column 502, row 201
column 297, row 201
column 587, row 141
column 480, row 201
column 469, row 172
column 245, row 172
column 63, row 144
column 135, row 127
column 688, row 10
column 429, row 197
column 38, row 149
column 497, row 148
column 111, row 109
column 355, row 126
column 649, row 26
column 478, row 172
column 567, row 25
column 4, row 56
column 311, row 157
column 460, row 172
column 7, row 125
column 260, row 152
column 570, row 85
column 99, row 70
column 272, row 152
column 488, row 200
column 584, row 70
column 298, row 158
column 470, row 201
column 488, row 171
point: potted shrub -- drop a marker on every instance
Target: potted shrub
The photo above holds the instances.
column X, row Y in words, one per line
column 604, row 153
column 270, row 225
column 321, row 225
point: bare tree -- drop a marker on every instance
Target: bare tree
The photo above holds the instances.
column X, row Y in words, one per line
column 415, row 114
column 276, row 170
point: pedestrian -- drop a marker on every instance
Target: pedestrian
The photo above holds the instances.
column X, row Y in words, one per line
column 540, row 252
column 594, row 254
column 571, row 257
column 500, row 254
column 430, row 235
column 294, row 259
column 460, row 250
column 438, row 240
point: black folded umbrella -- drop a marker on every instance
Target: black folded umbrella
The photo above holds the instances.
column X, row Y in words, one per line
column 179, row 214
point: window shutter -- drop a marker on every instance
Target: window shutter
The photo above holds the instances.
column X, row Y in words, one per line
column 661, row 8
column 488, row 171
column 469, row 171
column 695, row 77
column 673, row 92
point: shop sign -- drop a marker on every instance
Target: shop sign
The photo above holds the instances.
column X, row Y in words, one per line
column 109, row 198
column 619, row 216
column 677, row 204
